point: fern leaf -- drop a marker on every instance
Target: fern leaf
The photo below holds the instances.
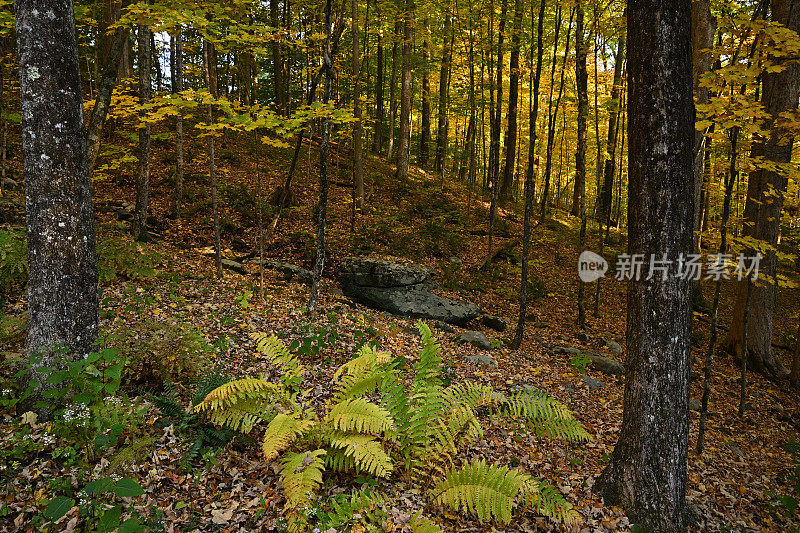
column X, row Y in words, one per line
column 280, row 433
column 367, row 453
column 395, row 400
column 359, row 383
column 301, row 475
column 360, row 415
column 368, row 358
column 429, row 363
column 548, row 415
column 550, row 503
column 274, row 349
column 338, row 461
column 241, row 404
column 420, row 524
column 487, row 491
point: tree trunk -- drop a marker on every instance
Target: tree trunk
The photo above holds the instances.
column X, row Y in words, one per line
column 552, row 109
column 358, row 162
column 425, row 118
column 322, row 208
column 648, row 469
column 279, row 84
column 143, row 180
column 377, row 143
column 392, row 92
column 507, row 181
column 763, row 208
column 579, row 196
column 443, row 120
column 494, row 147
column 177, row 86
column 405, row 94
column 611, row 143
column 210, row 59
column 704, row 26
column 62, row 267
column 529, row 179
column 104, row 90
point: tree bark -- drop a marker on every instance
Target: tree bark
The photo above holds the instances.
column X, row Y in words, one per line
column 648, row 469
column 358, row 161
column 405, row 94
column 177, row 86
column 104, row 90
column 443, row 120
column 425, row 118
column 392, row 91
column 62, row 265
column 507, row 181
column 143, row 180
column 763, row 208
column 494, row 146
column 579, row 196
column 280, row 84
column 529, row 179
column 210, row 59
column 377, row 143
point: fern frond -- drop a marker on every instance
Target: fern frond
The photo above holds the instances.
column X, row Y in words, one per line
column 358, row 383
column 367, row 453
column 360, row 415
column 470, row 393
column 425, row 415
column 395, row 400
column 458, row 430
column 241, row 404
column 301, row 475
column 368, row 358
column 430, row 361
column 278, row 354
column 420, row 524
column 338, row 461
column 280, row 433
column 345, row 510
column 548, row 502
column 548, row 415
column 487, row 491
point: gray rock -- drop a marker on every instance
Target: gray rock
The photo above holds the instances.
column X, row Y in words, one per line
column 593, row 383
column 234, row 265
column 475, row 338
column 481, row 359
column 401, row 289
column 288, row 269
column 614, row 347
column 607, row 365
column 494, row 322
column 566, row 350
column 694, row 404
column 374, row 272
column 523, row 387
column 444, row 326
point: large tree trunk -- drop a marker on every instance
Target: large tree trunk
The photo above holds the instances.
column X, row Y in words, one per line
column 763, row 208
column 280, row 84
column 425, row 118
column 405, row 94
column 358, row 162
column 143, row 179
column 647, row 473
column 62, row 265
column 494, row 145
column 104, row 90
column 507, row 181
column 443, row 120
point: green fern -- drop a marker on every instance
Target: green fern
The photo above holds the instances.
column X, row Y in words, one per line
column 420, row 524
column 366, row 452
column 301, row 475
column 364, row 506
column 241, row 404
column 272, row 347
column 280, row 433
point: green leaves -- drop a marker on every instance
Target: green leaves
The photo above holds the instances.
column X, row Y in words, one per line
column 58, row 507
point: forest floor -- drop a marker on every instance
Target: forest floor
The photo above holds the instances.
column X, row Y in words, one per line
column 735, row 485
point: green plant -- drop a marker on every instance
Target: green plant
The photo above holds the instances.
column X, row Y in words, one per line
column 427, row 424
column 312, row 338
column 93, row 505
column 343, row 511
column 580, row 362
column 187, row 423
column 120, row 256
column 159, row 352
column 783, row 507
column 13, row 260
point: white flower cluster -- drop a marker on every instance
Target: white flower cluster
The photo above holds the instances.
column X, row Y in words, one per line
column 112, row 401
column 77, row 414
column 5, row 392
column 48, row 439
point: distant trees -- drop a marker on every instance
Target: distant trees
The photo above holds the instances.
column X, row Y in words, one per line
column 648, row 468
column 62, row 266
